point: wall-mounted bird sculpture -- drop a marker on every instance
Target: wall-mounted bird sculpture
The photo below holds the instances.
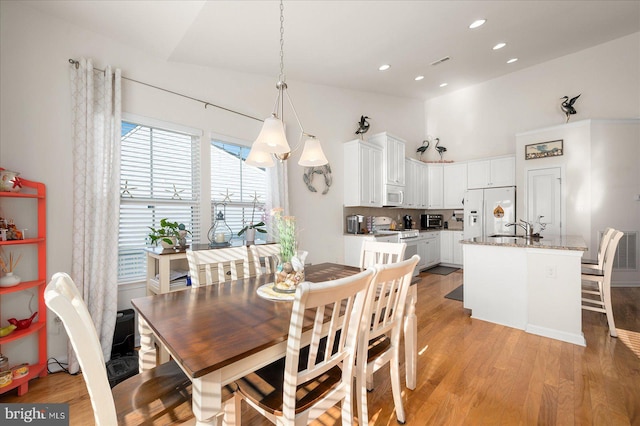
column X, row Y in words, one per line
column 423, row 148
column 363, row 126
column 567, row 106
column 441, row 149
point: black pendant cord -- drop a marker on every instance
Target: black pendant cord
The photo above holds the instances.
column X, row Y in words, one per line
column 77, row 64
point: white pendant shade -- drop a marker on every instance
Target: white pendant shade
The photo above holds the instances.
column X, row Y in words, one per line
column 272, row 137
column 312, row 154
column 259, row 158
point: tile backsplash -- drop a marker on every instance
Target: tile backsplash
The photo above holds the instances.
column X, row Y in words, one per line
column 449, row 216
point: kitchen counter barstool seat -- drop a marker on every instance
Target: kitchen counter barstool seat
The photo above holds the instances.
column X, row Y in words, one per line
column 591, row 267
column 597, row 285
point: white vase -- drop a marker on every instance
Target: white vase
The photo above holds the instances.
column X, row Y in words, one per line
column 250, row 234
column 9, row 280
column 165, row 245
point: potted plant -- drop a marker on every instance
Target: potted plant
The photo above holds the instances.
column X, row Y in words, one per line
column 168, row 233
column 251, row 228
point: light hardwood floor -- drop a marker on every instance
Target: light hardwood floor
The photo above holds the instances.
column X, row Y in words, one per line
column 473, row 372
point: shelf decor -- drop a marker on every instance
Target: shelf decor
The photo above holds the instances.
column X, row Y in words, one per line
column 35, row 278
column 543, row 150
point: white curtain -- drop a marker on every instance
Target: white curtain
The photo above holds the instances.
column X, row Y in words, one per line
column 96, row 114
column 277, row 187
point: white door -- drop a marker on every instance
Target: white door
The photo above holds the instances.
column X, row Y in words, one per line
column 544, row 195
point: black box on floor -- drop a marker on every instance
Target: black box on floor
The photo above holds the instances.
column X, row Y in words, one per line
column 124, row 334
column 119, row 369
column 124, row 360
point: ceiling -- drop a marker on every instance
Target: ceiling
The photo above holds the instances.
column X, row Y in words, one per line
column 342, row 43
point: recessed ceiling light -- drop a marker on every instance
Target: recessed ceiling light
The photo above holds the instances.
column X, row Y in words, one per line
column 384, row 67
column 443, row 84
column 499, row 46
column 512, row 60
column 418, row 78
column 476, row 24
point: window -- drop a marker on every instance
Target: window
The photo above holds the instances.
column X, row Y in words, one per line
column 230, row 175
column 159, row 178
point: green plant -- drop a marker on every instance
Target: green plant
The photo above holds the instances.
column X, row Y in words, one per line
column 251, row 225
column 286, row 229
column 167, row 232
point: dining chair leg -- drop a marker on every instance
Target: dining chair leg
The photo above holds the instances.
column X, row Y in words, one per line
column 606, row 295
column 347, row 409
column 361, row 397
column 369, row 381
column 396, row 388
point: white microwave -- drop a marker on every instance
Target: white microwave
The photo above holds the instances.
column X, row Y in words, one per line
column 393, row 195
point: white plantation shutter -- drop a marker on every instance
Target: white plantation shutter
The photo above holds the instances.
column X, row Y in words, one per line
column 229, row 172
column 160, row 178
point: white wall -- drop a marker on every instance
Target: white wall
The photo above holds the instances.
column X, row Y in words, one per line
column 35, row 131
column 601, row 180
column 600, row 163
column 482, row 120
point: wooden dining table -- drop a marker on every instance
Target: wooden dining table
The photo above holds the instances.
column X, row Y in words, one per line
column 220, row 333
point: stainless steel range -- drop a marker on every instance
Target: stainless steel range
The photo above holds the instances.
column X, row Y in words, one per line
column 408, row 236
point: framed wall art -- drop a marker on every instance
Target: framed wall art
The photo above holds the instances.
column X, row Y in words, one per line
column 543, row 150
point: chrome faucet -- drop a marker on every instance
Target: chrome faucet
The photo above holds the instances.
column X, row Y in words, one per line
column 528, row 227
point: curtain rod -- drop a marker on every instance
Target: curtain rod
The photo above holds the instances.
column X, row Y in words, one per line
column 77, row 64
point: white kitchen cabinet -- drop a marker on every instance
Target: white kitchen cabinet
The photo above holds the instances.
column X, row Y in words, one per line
column 450, row 247
column 435, row 184
column 421, row 173
column 454, row 185
column 416, row 176
column 446, row 247
column 362, row 174
column 393, row 157
column 411, row 185
column 433, row 248
column 457, row 247
column 492, row 172
column 428, row 249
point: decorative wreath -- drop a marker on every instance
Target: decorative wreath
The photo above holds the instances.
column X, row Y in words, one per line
column 310, row 172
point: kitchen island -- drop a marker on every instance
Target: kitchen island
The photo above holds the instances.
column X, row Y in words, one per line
column 526, row 283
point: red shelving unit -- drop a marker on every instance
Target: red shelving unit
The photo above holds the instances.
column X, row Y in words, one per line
column 37, row 192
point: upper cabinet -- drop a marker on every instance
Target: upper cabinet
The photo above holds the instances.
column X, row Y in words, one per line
column 491, row 172
column 412, row 184
column 393, row 156
column 455, row 184
column 416, row 188
column 362, row 174
column 435, row 195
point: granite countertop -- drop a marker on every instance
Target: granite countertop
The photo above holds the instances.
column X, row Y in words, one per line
column 568, row 242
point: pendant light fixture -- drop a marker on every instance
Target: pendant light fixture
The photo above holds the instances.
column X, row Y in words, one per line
column 272, row 140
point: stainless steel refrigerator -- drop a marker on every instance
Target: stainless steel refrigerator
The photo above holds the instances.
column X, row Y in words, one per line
column 487, row 211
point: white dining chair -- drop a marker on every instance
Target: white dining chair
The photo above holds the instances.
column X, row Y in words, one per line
column 161, row 395
column 317, row 371
column 597, row 285
column 589, row 266
column 264, row 258
column 378, row 252
column 218, row 265
column 379, row 338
